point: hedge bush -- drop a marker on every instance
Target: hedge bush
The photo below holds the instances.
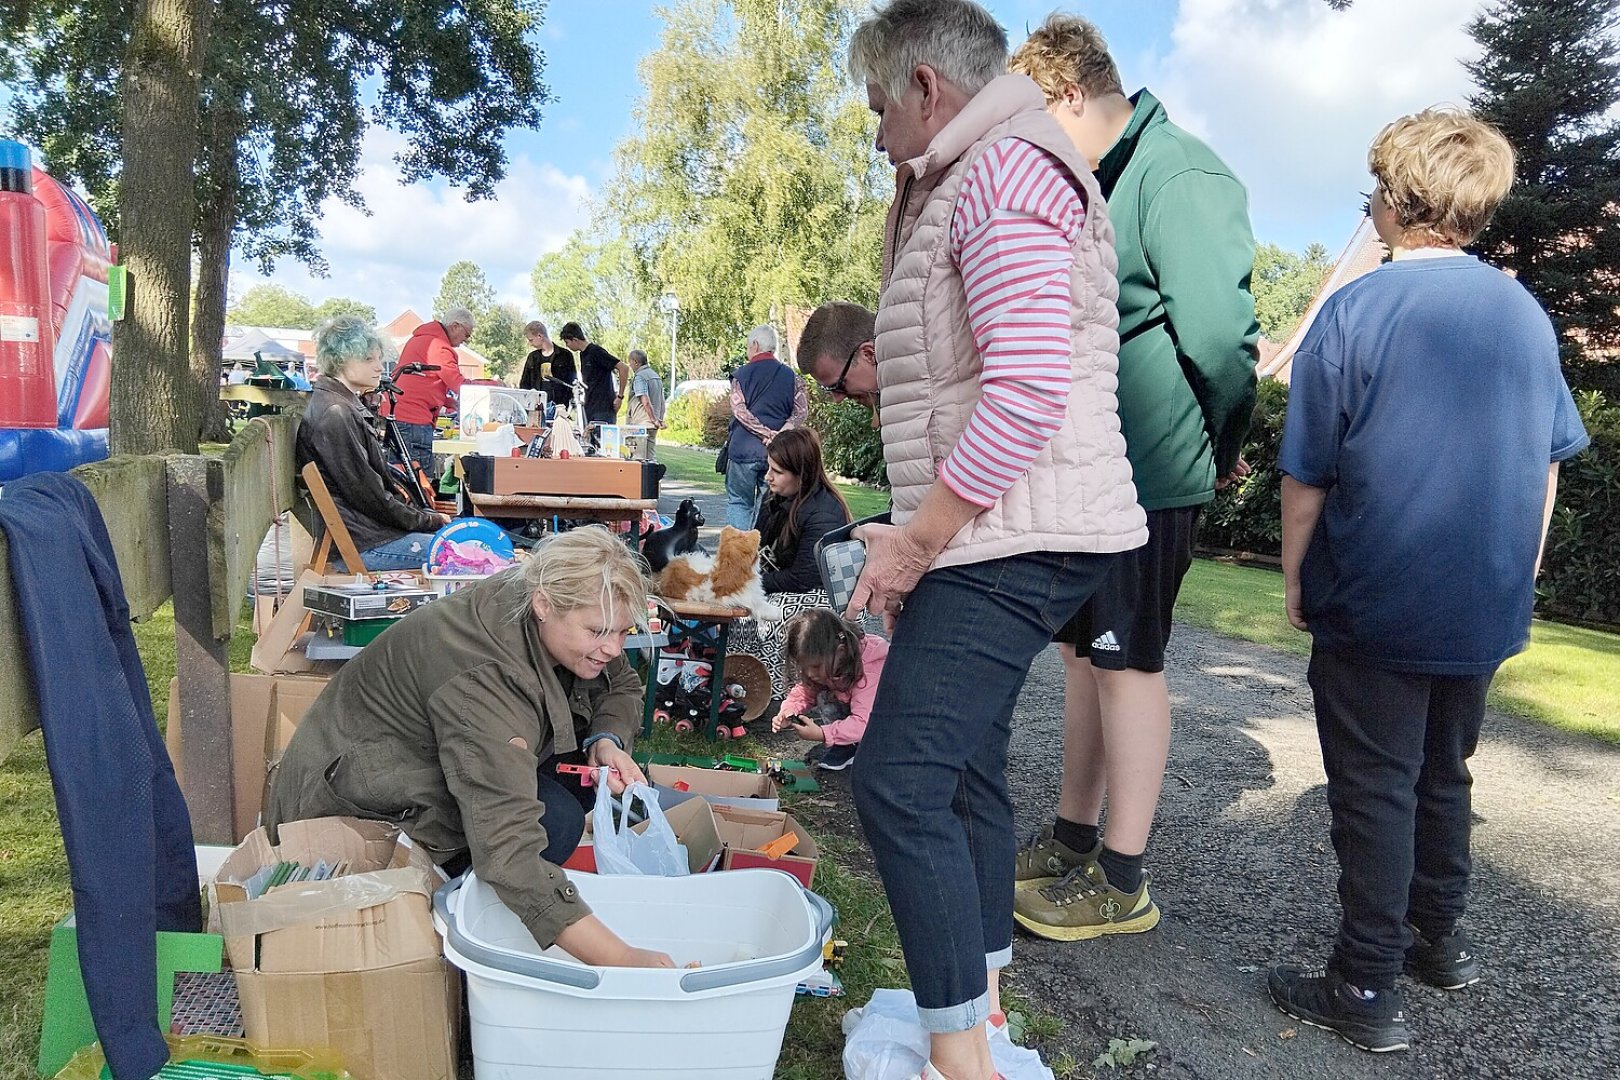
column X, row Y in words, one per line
column 1247, row 516
column 687, row 421
column 849, row 444
column 1580, row 574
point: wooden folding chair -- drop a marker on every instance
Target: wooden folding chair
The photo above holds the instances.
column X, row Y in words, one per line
column 334, row 531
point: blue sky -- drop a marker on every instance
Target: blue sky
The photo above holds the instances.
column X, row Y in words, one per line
column 1287, row 91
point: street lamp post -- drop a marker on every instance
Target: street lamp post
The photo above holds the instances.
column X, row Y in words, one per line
column 672, row 306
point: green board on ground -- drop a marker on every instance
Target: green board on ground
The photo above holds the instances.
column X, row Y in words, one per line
column 68, row 1027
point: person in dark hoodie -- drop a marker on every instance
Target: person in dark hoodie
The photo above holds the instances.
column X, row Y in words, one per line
column 800, row 507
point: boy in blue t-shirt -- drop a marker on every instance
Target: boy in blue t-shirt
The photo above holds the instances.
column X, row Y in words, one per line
column 1427, row 416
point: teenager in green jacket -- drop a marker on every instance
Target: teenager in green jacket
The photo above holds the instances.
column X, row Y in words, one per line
column 1186, row 392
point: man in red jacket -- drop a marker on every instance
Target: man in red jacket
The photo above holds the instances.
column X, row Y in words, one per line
column 422, row 396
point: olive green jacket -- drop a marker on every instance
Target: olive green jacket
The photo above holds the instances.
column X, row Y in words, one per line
column 440, row 725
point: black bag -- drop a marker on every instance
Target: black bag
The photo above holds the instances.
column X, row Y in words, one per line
column 723, row 458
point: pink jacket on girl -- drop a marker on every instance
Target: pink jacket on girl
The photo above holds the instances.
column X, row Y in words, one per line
column 848, row 731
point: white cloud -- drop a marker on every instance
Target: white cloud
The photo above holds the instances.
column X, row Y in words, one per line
column 1290, row 92
column 394, row 258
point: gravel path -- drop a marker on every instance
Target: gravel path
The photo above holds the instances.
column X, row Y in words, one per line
column 1244, row 872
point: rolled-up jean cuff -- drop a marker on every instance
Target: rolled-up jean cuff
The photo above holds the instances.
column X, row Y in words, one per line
column 955, row 1018
column 995, row 961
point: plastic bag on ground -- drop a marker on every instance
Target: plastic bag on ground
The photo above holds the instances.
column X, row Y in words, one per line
column 886, row 1041
column 653, row 851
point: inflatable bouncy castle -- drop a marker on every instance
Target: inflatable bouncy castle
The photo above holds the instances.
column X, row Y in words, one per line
column 55, row 337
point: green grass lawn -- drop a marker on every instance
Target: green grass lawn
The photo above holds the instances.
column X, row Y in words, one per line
column 695, row 465
column 1569, row 676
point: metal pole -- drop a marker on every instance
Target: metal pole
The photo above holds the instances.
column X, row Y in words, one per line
column 674, row 327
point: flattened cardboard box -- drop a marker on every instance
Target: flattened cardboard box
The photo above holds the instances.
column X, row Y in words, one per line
column 265, row 710
column 746, row 831
column 750, row 791
column 352, row 963
column 394, row 1023
column 694, row 825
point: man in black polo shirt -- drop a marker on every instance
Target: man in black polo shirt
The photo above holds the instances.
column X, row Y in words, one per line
column 606, row 377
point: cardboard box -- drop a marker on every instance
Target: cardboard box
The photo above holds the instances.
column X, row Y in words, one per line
column 744, row 832
column 265, row 710
column 694, row 825
column 750, row 791
column 352, row 963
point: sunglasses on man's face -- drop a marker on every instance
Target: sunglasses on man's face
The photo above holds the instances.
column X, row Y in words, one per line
column 837, row 387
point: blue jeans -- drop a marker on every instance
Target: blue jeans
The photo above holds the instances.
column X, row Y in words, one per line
column 419, row 441
column 931, row 779
column 409, row 552
column 744, row 479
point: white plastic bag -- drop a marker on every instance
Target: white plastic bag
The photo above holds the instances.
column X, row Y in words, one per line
column 619, row 850
column 886, row 1041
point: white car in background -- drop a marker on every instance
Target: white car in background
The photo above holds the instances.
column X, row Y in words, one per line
column 709, row 388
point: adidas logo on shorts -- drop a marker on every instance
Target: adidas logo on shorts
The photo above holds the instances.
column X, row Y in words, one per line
column 1106, row 642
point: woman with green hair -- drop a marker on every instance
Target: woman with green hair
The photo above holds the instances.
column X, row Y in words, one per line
column 336, row 434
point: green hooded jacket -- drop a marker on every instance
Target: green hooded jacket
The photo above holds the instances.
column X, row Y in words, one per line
column 1187, row 331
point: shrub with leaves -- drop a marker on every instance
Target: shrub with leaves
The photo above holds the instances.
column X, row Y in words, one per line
column 1580, row 576
column 687, row 421
column 1247, row 516
column 849, row 444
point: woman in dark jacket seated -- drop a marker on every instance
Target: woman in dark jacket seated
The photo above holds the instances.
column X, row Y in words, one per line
column 336, row 434
column 801, row 507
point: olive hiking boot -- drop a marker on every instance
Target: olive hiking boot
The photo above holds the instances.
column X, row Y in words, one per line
column 1043, row 860
column 1083, row 905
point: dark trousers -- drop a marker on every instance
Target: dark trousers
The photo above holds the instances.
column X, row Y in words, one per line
column 1396, row 747
column 931, row 779
column 564, row 803
column 419, row 441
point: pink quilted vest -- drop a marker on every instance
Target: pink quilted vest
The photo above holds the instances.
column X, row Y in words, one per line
column 1077, row 495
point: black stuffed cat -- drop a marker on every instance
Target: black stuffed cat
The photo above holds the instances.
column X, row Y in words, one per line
column 660, row 547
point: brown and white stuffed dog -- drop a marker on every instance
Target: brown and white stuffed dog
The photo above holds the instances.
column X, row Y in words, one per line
column 728, row 578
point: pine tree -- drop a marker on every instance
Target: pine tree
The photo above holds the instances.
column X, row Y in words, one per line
column 1549, row 79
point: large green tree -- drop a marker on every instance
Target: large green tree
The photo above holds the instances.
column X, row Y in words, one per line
column 498, row 335
column 750, row 184
column 286, row 98
column 273, row 305
column 601, row 286
column 1549, row 77
column 1284, row 283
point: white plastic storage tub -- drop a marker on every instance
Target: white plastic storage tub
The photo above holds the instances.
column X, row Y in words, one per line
column 545, row 1016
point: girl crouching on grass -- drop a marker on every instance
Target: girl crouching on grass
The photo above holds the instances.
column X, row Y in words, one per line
column 836, row 668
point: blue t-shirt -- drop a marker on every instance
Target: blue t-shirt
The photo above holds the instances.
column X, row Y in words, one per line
column 1428, row 399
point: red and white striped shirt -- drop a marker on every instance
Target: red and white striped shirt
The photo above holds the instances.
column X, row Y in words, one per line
column 1012, row 237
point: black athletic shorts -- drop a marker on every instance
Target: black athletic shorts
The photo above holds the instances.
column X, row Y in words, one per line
column 1126, row 623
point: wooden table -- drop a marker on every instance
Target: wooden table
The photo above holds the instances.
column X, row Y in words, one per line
column 564, row 506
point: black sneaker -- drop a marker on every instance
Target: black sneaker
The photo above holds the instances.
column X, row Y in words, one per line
column 1323, row 999
column 1448, row 962
column 837, row 757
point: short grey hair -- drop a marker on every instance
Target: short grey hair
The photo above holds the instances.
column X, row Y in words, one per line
column 535, row 326
column 459, row 316
column 957, row 38
column 638, row 354
column 344, row 338
column 762, row 339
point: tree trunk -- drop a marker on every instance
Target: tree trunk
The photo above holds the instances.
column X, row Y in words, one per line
column 154, row 403
column 216, row 225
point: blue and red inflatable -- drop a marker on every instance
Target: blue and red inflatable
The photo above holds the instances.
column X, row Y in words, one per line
column 55, row 336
